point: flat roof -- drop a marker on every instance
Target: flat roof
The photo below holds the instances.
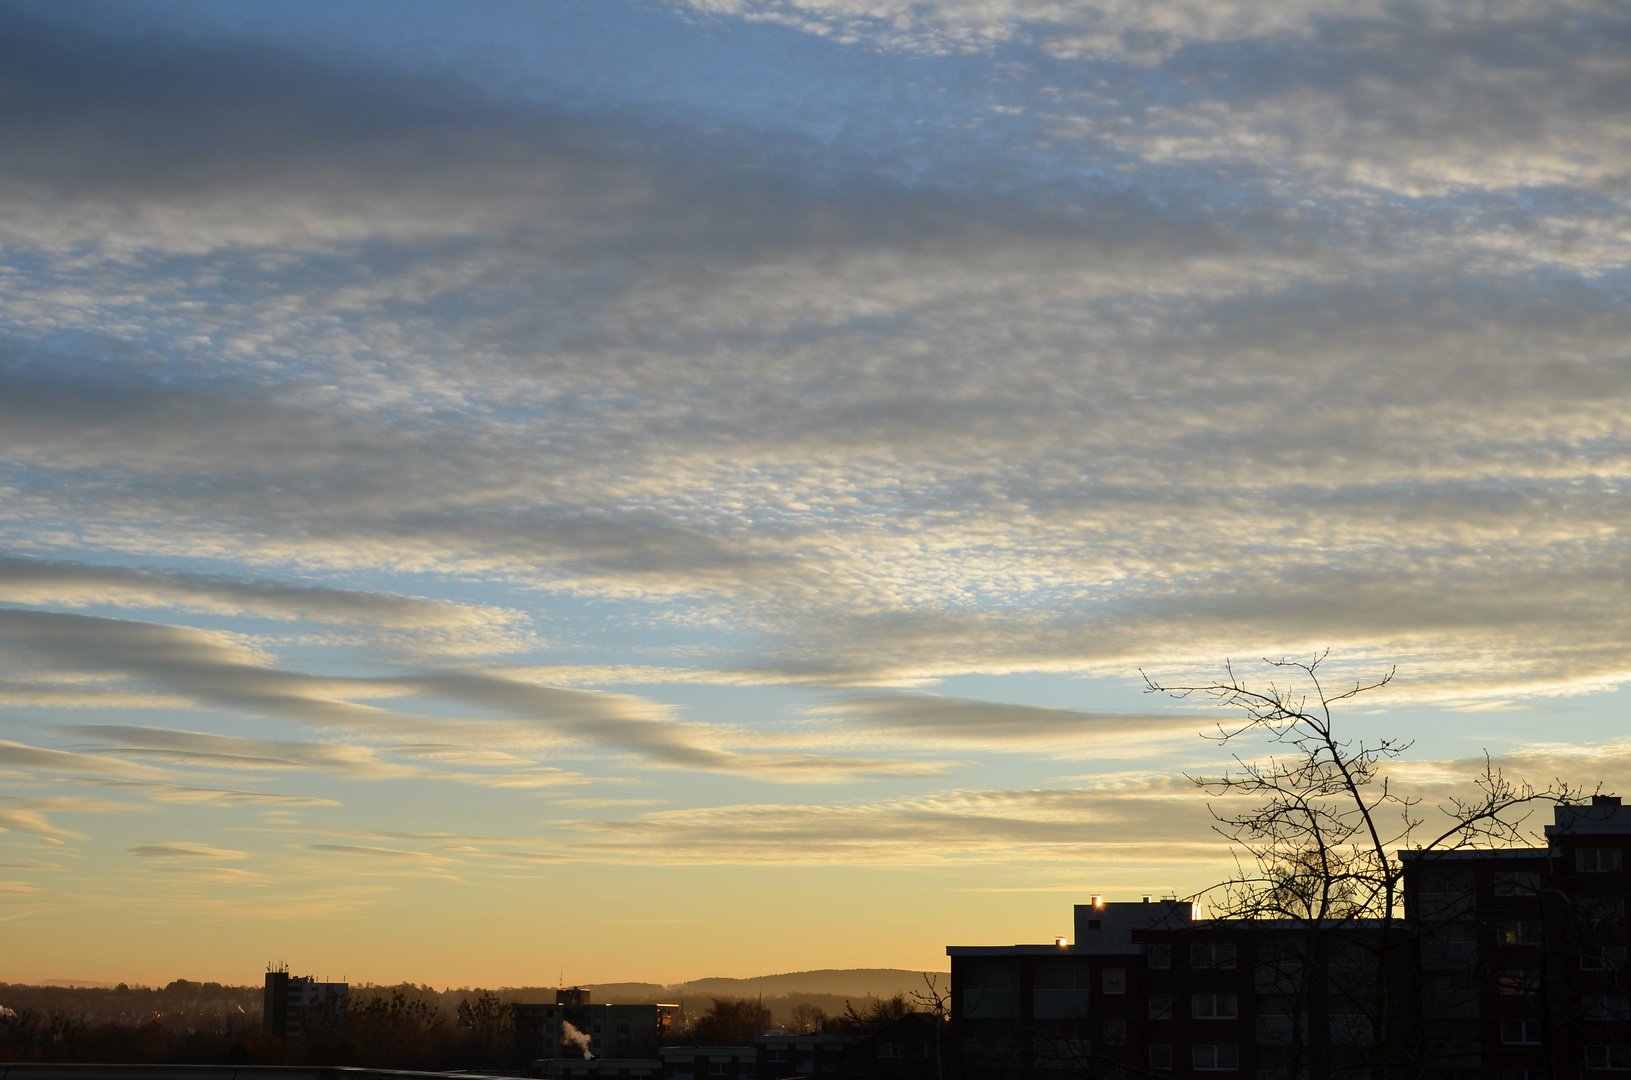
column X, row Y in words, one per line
column 1475, row 855
column 53, row 1071
column 1044, row 950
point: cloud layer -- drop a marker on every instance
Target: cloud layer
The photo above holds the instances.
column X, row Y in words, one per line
column 628, row 422
column 895, row 428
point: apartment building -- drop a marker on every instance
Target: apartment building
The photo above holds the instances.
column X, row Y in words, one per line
column 292, row 1005
column 574, row 1027
column 1505, row 965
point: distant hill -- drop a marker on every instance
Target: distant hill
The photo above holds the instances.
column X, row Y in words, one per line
column 855, row 983
column 844, row 982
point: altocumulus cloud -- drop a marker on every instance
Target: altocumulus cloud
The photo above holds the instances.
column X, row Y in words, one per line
column 1140, row 417
column 1014, row 338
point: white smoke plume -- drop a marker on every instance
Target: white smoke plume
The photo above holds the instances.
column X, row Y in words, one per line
column 570, row 1034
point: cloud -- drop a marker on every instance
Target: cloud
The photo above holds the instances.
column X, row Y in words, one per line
column 214, row 875
column 1148, row 820
column 34, row 758
column 1007, row 338
column 600, row 804
column 219, row 670
column 28, row 815
column 370, row 852
column 1138, row 414
column 1130, row 819
column 629, row 724
column 197, row 796
column 41, row 582
column 239, row 753
column 959, row 722
column 182, row 849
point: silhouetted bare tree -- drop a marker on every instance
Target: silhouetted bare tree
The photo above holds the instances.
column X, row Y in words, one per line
column 730, row 1023
column 1321, row 836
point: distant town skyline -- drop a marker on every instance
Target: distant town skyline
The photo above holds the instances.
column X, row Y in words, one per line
column 510, row 493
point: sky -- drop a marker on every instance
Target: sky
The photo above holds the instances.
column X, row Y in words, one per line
column 533, row 491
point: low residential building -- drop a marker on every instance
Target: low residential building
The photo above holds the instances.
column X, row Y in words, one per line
column 599, row 1069
column 782, row 1055
column 911, row 1048
column 709, row 1062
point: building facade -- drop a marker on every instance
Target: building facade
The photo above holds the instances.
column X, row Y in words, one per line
column 293, row 1005
column 1504, row 965
column 710, row 1062
column 574, row 1027
column 784, row 1055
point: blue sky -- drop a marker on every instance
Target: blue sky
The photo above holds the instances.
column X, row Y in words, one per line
column 718, row 468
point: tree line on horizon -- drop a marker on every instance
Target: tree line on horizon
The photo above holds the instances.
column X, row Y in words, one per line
column 400, row 1027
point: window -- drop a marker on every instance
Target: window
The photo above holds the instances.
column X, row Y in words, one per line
column 1213, row 1007
column 1514, row 883
column 1520, row 1032
column 776, row 1053
column 1115, row 980
column 1608, row 1057
column 1524, row 1074
column 1217, row 955
column 1161, row 958
column 1349, row 954
column 1445, row 878
column 1603, row 958
column 1607, row 1006
column 1214, row 1057
column 1160, row 1006
column 1517, row 933
column 1454, row 1032
column 1455, row 933
column 1160, row 1055
column 992, row 978
column 1115, row 1032
column 991, row 993
column 719, row 1068
column 622, row 1029
column 1611, row 910
column 1596, row 860
column 1061, row 975
column 1518, row 981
